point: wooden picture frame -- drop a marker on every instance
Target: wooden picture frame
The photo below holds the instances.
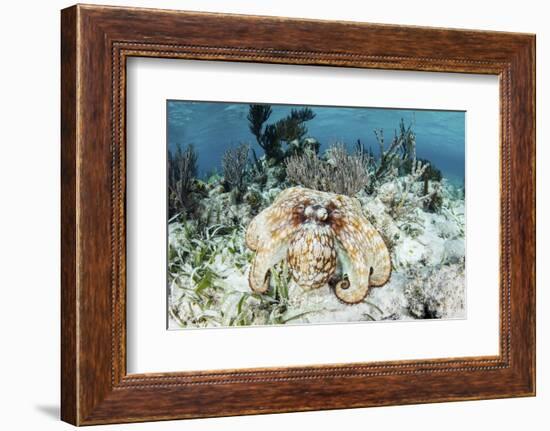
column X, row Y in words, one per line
column 96, row 41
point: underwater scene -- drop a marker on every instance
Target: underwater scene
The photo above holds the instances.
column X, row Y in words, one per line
column 290, row 214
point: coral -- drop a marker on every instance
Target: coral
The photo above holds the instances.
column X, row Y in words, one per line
column 182, row 170
column 314, row 231
column 399, row 194
column 407, row 139
column 309, row 171
column 340, row 173
column 234, row 164
column 431, row 177
column 265, row 136
column 434, row 201
column 276, row 175
column 398, row 158
column 293, row 127
column 271, row 136
column 432, row 173
column 258, row 169
column 253, row 197
column 257, row 116
column 300, row 146
column 349, row 171
column 436, row 294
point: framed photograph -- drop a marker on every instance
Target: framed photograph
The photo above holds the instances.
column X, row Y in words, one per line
column 260, row 217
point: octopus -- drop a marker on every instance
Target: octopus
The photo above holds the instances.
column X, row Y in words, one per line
column 324, row 237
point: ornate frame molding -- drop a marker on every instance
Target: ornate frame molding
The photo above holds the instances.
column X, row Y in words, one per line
column 96, row 41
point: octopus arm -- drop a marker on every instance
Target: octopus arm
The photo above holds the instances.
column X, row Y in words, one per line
column 354, row 286
column 364, row 256
column 254, row 233
column 262, row 227
column 260, row 271
column 268, row 234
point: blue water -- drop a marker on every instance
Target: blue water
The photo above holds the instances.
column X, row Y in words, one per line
column 212, row 127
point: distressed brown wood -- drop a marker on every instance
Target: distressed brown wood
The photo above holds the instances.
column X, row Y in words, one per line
column 95, row 43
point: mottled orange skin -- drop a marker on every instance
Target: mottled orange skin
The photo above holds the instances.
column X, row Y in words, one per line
column 317, row 242
column 315, row 231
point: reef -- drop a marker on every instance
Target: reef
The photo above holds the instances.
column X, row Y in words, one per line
column 182, row 170
column 271, row 136
column 234, row 164
column 291, row 235
column 339, row 172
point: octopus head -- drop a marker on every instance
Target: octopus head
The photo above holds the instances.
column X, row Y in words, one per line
column 316, row 213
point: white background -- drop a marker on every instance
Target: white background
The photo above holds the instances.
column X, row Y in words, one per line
column 153, row 349
column 29, row 227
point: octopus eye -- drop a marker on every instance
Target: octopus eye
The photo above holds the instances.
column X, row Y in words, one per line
column 321, row 213
column 309, row 211
column 371, row 271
